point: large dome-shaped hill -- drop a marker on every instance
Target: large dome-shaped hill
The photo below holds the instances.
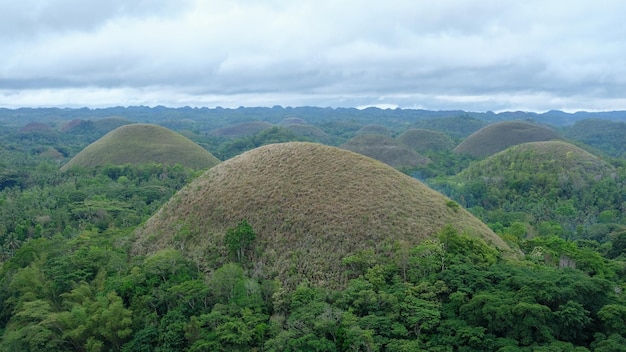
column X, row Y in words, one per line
column 385, row 149
column 143, row 143
column 311, row 205
column 501, row 135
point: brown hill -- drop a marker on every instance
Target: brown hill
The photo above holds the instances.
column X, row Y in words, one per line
column 501, row 135
column 143, row 143
column 311, row 206
column 422, row 140
column 385, row 149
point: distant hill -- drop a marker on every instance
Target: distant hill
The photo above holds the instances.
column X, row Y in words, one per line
column 423, row 140
column 385, row 149
column 607, row 136
column 457, row 127
column 36, row 127
column 374, row 129
column 501, row 135
column 102, row 126
column 311, row 206
column 143, row 143
column 292, row 121
column 545, row 180
column 242, row 129
column 314, row 133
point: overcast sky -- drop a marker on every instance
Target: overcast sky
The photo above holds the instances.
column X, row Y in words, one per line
column 475, row 55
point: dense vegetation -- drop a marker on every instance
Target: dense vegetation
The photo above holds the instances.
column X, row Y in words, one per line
column 71, row 278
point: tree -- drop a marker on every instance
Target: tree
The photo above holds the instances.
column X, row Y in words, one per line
column 239, row 239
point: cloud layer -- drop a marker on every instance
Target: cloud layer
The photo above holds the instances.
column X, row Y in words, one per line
column 473, row 55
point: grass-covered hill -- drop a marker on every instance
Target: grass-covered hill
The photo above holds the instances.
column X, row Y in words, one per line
column 385, row 149
column 241, row 129
column 501, row 135
column 143, row 143
column 551, row 181
column 292, row 121
column 423, row 140
column 374, row 129
column 314, row 133
column 311, row 206
column 607, row 136
column 104, row 125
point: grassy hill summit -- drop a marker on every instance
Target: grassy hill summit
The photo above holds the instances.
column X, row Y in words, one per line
column 385, row 149
column 311, row 206
column 501, row 135
column 143, row 143
column 421, row 140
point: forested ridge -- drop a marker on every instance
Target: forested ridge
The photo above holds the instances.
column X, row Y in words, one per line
column 69, row 279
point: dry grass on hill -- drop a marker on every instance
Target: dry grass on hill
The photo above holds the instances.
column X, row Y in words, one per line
column 501, row 135
column 311, row 206
column 143, row 143
column 385, row 149
column 422, row 140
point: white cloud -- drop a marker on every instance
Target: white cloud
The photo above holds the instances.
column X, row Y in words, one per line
column 483, row 54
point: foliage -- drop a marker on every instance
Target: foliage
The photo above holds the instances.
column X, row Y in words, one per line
column 239, row 239
column 70, row 279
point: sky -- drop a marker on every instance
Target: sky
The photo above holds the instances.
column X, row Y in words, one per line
column 474, row 55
